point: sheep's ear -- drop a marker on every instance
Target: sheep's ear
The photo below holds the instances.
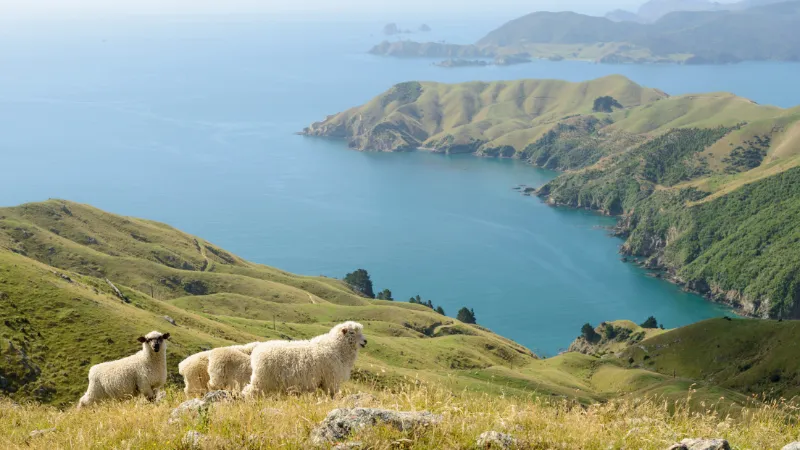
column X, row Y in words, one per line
column 142, row 339
column 166, row 336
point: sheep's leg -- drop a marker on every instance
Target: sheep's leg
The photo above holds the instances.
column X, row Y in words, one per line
column 144, row 387
column 90, row 396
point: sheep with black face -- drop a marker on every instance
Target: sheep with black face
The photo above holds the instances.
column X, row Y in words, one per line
column 142, row 373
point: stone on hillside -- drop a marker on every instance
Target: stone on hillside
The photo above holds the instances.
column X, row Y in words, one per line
column 495, row 440
column 37, row 433
column 160, row 397
column 188, row 409
column 340, row 423
column 702, row 444
column 170, row 320
column 792, row 446
column 218, row 396
column 193, row 439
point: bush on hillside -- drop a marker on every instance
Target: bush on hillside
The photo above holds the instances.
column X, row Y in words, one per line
column 466, row 315
column 651, row 322
column 605, row 104
column 360, row 282
column 385, row 294
column 587, row 330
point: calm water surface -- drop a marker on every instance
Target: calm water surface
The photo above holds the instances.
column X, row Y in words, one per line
column 190, row 121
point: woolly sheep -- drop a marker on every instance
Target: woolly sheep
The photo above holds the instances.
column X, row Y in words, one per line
column 227, row 362
column 141, row 373
column 195, row 373
column 324, row 362
column 229, row 367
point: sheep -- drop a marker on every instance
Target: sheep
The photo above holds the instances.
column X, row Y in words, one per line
column 141, row 373
column 229, row 367
column 324, row 362
column 228, row 362
column 195, row 373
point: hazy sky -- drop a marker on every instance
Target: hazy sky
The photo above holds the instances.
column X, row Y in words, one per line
column 361, row 7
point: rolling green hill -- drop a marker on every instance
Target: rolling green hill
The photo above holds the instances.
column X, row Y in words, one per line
column 671, row 167
column 61, row 315
column 761, row 32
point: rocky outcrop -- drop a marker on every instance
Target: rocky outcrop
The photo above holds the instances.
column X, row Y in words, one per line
column 194, row 408
column 495, row 440
column 341, row 423
column 702, row 444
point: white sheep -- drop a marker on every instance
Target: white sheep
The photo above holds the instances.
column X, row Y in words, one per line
column 195, row 373
column 231, row 368
column 139, row 374
column 324, row 362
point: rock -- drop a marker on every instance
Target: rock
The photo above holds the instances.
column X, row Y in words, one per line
column 495, row 440
column 702, row 444
column 37, row 433
column 792, row 446
column 193, row 439
column 190, row 408
column 340, row 423
column 218, row 397
column 160, row 397
column 170, row 320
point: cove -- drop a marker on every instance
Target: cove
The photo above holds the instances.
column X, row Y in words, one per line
column 190, row 122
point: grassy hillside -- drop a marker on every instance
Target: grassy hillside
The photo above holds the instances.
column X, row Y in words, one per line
column 761, row 32
column 749, row 356
column 61, row 315
column 287, row 422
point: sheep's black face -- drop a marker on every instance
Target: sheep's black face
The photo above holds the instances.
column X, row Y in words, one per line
column 155, row 342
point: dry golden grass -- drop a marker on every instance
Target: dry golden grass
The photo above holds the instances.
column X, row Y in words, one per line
column 286, row 422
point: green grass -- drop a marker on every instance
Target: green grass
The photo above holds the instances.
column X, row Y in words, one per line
column 746, row 355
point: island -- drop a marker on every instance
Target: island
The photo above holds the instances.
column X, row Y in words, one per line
column 458, row 62
column 682, row 173
column 751, row 31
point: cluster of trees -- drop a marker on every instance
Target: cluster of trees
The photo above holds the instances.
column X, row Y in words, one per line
column 361, row 282
column 605, row 104
column 419, row 301
column 610, row 332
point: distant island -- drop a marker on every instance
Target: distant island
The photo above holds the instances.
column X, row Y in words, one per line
column 656, row 9
column 507, row 60
column 391, row 29
column 753, row 31
column 706, row 186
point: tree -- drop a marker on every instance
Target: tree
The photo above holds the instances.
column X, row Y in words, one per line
column 360, row 282
column 385, row 294
column 466, row 315
column 440, row 310
column 651, row 322
column 609, row 331
column 587, row 330
column 606, row 104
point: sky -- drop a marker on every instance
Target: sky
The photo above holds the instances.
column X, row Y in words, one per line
column 356, row 7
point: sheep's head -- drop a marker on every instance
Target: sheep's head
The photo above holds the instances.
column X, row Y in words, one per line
column 154, row 341
column 351, row 332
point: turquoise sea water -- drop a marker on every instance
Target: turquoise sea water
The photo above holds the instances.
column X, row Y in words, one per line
column 190, row 121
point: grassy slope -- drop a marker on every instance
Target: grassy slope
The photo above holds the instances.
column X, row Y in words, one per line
column 287, row 421
column 750, row 356
column 54, row 329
